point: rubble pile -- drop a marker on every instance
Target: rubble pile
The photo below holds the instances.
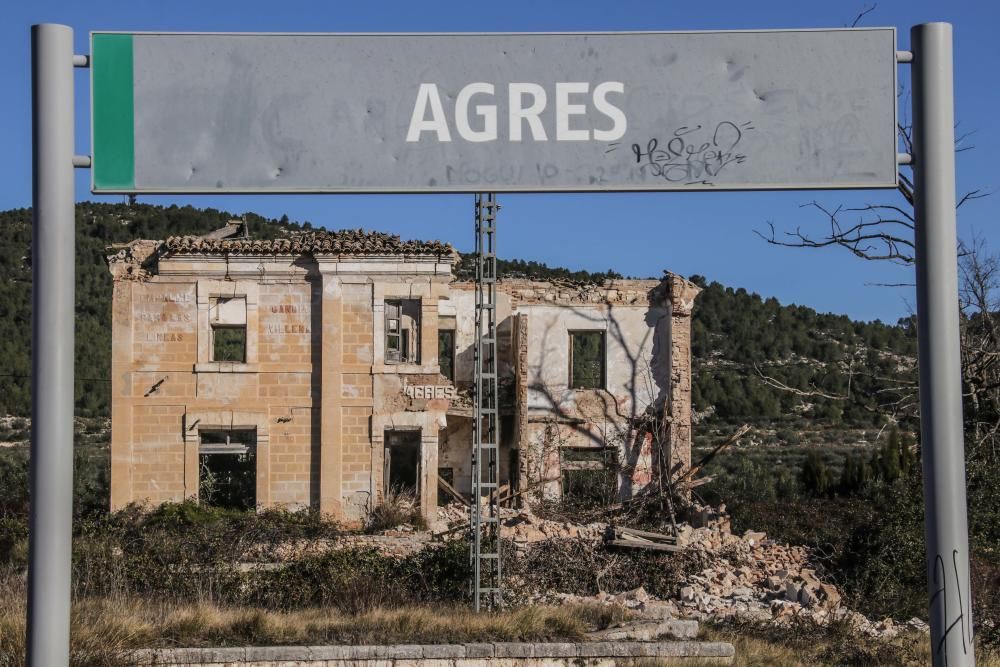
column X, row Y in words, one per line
column 452, row 515
column 750, row 578
column 520, row 526
column 524, row 528
column 756, row 579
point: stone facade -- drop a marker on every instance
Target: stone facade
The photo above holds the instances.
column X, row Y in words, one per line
column 328, row 406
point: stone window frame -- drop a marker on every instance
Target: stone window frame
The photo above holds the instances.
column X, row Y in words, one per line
column 427, row 294
column 211, row 289
column 452, row 353
column 429, row 427
column 604, row 358
column 611, row 463
column 404, row 342
column 228, row 448
column 226, row 420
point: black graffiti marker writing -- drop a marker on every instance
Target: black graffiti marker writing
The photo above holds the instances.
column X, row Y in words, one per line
column 690, row 156
column 942, row 581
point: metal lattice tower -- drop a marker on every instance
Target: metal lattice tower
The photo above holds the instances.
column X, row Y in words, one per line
column 485, row 517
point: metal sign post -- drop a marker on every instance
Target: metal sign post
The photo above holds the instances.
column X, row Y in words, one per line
column 52, row 320
column 941, row 428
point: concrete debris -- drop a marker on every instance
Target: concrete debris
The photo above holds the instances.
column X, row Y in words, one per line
column 647, row 630
column 133, row 260
column 520, row 526
column 525, row 528
column 750, row 578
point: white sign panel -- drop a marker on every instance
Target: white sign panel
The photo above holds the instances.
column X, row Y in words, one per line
column 499, row 112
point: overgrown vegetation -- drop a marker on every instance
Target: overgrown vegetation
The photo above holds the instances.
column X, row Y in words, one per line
column 836, row 644
column 862, row 509
column 187, row 574
column 835, row 465
column 746, row 348
column 107, row 631
column 396, row 507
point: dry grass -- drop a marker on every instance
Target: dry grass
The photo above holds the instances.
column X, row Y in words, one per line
column 209, row 625
column 833, row 648
column 397, row 508
column 106, row 630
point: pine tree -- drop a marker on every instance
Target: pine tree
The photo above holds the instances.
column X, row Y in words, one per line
column 815, row 476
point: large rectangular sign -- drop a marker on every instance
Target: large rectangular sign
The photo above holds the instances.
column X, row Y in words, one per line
column 500, row 112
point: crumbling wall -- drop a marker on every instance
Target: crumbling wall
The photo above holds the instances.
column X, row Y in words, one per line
column 636, row 380
column 312, row 347
column 520, row 436
column 313, row 355
column 152, row 381
column 315, row 376
column 462, row 302
column 354, row 434
column 455, row 452
column 647, row 375
column 682, row 298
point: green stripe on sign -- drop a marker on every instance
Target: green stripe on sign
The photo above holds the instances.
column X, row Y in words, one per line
column 114, row 112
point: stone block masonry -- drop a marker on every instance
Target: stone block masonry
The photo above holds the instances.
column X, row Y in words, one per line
column 499, row 654
column 333, row 362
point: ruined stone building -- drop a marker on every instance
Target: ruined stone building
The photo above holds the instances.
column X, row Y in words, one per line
column 325, row 369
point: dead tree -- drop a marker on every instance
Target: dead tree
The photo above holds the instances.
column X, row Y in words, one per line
column 884, row 231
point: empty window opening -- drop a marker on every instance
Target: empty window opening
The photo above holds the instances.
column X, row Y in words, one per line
column 587, row 360
column 229, row 344
column 447, row 475
column 589, row 474
column 402, row 331
column 402, row 461
column 228, row 319
column 446, row 353
column 514, row 468
column 227, row 468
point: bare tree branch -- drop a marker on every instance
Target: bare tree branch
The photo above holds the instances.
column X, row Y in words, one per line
column 814, row 392
column 881, row 231
column 861, row 15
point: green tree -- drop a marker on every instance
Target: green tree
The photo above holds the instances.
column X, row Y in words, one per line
column 815, row 475
column 855, row 476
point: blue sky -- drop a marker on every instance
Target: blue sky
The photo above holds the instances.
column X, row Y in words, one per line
column 636, row 234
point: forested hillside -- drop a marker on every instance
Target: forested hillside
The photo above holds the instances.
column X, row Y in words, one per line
column 738, row 337
column 756, row 360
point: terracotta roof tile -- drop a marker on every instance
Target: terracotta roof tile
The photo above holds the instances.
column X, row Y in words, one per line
column 342, row 242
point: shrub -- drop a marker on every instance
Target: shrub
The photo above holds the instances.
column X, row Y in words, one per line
column 815, row 476
column 584, row 568
column 276, row 560
column 14, row 482
column 855, row 476
column 357, row 580
column 398, row 507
